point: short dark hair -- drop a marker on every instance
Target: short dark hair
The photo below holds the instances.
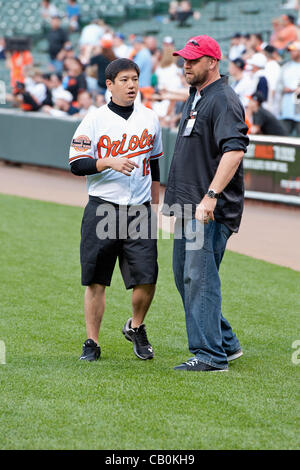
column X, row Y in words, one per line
column 239, row 62
column 117, row 66
column 258, row 96
column 258, row 36
column 269, row 49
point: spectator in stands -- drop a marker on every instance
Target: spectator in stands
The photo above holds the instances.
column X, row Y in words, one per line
column 256, row 42
column 75, row 79
column 57, row 38
column 62, row 105
column 90, row 37
column 173, row 7
column 151, row 44
column 18, row 62
column 290, row 90
column 121, row 49
column 167, row 72
column 35, row 86
column 249, row 47
column 168, row 77
column 31, row 94
column 100, row 100
column 288, row 33
column 55, row 84
column 143, row 58
column 272, row 74
column 258, row 63
column 184, row 12
column 67, row 52
column 91, row 75
column 85, row 104
column 290, row 4
column 73, row 15
column 102, row 58
column 262, row 121
column 2, row 48
column 241, row 81
column 277, row 26
column 48, row 10
column 46, row 79
column 237, row 47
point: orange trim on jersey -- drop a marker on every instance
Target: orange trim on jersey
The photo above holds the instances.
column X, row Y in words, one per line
column 80, row 156
column 156, row 156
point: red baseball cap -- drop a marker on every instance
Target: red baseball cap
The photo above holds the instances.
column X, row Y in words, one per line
column 199, row 46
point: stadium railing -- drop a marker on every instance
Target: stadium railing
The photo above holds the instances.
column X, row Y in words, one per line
column 271, row 164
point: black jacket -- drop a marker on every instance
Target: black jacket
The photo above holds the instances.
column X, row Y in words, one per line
column 219, row 128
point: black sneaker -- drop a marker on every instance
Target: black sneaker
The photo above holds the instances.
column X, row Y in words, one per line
column 197, row 366
column 235, row 355
column 90, row 351
column 142, row 348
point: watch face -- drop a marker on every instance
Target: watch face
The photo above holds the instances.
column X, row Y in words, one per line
column 211, row 194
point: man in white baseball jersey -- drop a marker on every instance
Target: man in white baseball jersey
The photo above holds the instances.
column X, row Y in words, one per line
column 117, row 147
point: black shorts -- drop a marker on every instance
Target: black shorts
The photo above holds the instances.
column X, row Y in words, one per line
column 108, row 232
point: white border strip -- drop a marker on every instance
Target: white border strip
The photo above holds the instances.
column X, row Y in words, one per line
column 274, row 140
column 285, row 198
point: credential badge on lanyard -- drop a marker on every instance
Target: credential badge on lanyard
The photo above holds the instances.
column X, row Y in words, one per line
column 190, row 123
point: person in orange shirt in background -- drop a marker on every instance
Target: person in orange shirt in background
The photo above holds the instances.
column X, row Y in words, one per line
column 288, row 33
column 16, row 61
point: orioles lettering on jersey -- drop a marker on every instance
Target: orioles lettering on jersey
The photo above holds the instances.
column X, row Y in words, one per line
column 116, row 147
column 104, row 134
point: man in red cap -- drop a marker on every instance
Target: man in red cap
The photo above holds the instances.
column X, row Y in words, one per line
column 205, row 192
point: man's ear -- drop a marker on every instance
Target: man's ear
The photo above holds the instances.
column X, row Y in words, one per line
column 109, row 83
column 213, row 63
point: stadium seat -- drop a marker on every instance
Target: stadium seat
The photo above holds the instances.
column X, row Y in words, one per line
column 161, row 6
column 140, row 9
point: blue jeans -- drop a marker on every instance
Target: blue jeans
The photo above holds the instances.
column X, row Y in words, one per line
column 196, row 273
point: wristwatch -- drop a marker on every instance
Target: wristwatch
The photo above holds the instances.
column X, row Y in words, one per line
column 212, row 194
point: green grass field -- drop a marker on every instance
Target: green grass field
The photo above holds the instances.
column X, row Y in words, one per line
column 50, row 400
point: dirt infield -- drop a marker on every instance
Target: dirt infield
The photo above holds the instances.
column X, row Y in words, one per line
column 270, row 232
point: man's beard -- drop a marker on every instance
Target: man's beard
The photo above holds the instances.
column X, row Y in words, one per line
column 197, row 80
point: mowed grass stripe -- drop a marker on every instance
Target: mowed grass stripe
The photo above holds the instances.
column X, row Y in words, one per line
column 50, row 400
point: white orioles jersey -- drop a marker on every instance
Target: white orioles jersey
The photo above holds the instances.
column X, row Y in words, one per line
column 102, row 134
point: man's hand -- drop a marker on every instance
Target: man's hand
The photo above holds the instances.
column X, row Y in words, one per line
column 227, row 167
column 123, row 165
column 205, row 210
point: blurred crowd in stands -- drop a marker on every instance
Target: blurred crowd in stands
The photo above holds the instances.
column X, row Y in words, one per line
column 265, row 75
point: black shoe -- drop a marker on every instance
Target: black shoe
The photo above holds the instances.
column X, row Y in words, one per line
column 90, row 351
column 235, row 355
column 197, row 366
column 142, row 347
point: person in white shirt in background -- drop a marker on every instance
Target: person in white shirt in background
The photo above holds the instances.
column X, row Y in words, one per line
column 167, row 72
column 62, row 105
column 55, row 84
column 272, row 73
column 256, row 65
column 90, row 37
column 48, row 10
column 121, row 49
column 290, row 90
column 237, row 47
column 168, row 79
column 241, row 80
